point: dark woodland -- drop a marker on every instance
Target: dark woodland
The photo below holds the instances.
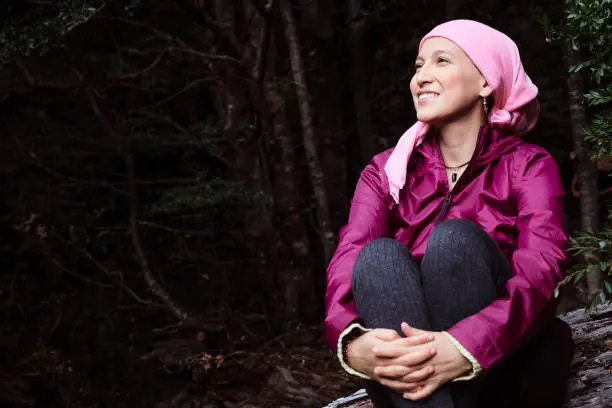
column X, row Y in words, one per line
column 174, row 173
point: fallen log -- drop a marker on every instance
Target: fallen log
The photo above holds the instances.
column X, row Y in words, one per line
column 590, row 384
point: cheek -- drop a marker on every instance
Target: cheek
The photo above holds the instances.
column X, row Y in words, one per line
column 459, row 87
column 413, row 86
column 452, row 81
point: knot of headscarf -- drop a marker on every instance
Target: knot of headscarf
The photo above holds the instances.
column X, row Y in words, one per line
column 497, row 57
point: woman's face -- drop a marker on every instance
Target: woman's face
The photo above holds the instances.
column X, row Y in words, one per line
column 446, row 85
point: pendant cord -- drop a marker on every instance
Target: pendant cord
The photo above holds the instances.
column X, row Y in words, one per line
column 457, row 167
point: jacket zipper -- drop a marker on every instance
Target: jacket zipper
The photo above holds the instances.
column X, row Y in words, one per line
column 448, row 200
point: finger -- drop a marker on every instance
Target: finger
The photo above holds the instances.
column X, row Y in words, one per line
column 392, row 372
column 420, row 375
column 411, row 331
column 386, row 334
column 421, row 392
column 400, row 386
column 415, row 340
column 390, row 350
column 414, row 358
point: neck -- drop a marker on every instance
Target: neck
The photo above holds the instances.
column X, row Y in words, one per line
column 458, row 141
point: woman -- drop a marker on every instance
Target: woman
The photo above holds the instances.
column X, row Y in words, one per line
column 440, row 293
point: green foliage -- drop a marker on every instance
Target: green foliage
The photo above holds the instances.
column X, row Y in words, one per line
column 593, row 246
column 205, row 134
column 587, row 30
column 215, row 197
column 39, row 30
column 598, row 97
column 599, row 133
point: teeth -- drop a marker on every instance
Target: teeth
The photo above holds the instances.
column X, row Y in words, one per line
column 427, row 95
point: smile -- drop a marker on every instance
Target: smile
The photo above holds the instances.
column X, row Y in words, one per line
column 427, row 95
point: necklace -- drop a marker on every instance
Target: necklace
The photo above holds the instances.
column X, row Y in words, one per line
column 454, row 170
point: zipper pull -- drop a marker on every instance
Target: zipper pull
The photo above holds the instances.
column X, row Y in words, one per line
column 448, row 200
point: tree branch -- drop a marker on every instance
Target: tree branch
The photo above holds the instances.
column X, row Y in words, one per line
column 108, row 273
column 148, row 275
column 189, row 50
column 60, row 176
column 208, row 22
column 76, row 275
column 186, row 88
column 175, row 230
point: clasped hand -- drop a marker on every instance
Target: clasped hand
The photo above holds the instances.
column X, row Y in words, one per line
column 415, row 365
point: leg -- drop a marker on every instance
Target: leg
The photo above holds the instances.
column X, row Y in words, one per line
column 386, row 286
column 463, row 271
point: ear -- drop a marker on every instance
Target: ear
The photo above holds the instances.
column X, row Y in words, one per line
column 485, row 89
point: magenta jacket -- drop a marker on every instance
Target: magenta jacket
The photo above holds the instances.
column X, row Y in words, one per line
column 511, row 188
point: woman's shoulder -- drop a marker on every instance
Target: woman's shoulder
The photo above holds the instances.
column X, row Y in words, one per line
column 376, row 165
column 528, row 162
column 526, row 153
column 380, row 159
column 526, row 149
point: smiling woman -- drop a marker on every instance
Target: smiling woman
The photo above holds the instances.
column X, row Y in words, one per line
column 440, row 293
column 447, row 86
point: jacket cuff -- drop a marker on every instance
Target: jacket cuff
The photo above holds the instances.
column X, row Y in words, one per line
column 476, row 367
column 343, row 341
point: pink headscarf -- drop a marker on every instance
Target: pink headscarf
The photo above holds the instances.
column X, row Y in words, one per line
column 497, row 57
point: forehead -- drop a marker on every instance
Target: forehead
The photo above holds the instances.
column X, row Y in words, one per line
column 439, row 45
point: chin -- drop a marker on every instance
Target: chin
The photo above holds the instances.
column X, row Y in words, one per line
column 435, row 118
column 428, row 118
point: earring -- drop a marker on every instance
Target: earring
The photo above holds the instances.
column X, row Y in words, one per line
column 484, row 104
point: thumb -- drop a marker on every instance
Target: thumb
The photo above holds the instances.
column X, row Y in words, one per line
column 386, row 334
column 410, row 331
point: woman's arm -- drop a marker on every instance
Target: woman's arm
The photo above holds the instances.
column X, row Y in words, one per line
column 537, row 263
column 367, row 221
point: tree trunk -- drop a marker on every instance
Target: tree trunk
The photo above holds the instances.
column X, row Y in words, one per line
column 125, row 148
column 262, row 223
column 315, row 18
column 360, row 82
column 249, row 162
column 295, row 273
column 587, row 173
column 308, row 134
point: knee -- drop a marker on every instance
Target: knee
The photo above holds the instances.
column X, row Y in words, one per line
column 376, row 257
column 457, row 232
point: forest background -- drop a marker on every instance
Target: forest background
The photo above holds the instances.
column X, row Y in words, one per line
column 174, row 174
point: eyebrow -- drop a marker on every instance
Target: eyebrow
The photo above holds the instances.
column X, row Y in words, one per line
column 435, row 54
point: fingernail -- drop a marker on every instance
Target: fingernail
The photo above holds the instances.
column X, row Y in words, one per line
column 432, row 351
column 430, row 337
column 374, row 349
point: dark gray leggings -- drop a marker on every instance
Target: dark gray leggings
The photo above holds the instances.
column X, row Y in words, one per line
column 462, row 271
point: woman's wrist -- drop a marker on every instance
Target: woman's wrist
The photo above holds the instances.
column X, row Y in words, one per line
column 349, row 350
column 464, row 366
column 350, row 353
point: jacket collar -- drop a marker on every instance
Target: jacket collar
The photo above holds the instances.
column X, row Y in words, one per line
column 492, row 144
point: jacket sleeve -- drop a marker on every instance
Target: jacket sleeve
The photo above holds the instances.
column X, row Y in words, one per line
column 367, row 221
column 537, row 262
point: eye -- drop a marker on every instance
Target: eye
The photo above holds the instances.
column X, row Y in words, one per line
column 417, row 66
column 442, row 60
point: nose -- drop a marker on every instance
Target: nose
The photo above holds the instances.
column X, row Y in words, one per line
column 423, row 75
